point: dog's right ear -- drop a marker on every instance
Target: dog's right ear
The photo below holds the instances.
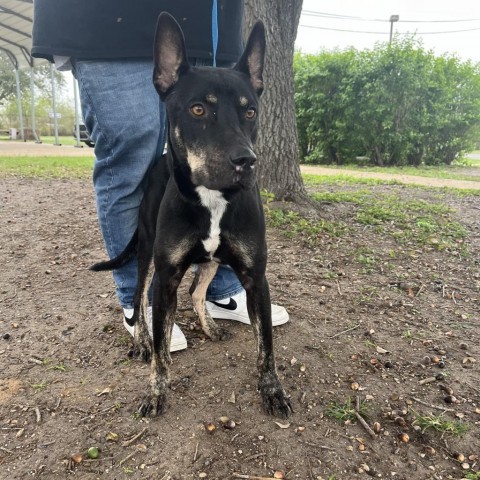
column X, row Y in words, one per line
column 170, row 55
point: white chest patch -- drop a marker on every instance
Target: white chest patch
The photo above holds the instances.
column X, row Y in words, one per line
column 214, row 201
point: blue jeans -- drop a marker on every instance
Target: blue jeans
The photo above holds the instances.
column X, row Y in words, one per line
column 127, row 122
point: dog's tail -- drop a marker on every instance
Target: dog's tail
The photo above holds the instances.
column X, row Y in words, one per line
column 128, row 253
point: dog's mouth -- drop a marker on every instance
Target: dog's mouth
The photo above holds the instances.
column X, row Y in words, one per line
column 244, row 176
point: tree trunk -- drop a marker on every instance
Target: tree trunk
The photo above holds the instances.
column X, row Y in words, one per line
column 277, row 144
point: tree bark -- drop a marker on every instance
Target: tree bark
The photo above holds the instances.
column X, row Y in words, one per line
column 277, row 144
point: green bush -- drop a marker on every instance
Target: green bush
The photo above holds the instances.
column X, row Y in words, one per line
column 397, row 104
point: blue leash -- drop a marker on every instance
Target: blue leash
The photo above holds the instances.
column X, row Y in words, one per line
column 214, row 31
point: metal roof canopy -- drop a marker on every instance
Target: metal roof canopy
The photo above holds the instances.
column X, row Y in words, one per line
column 16, row 19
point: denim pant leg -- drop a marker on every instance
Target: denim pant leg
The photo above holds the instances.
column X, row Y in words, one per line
column 127, row 122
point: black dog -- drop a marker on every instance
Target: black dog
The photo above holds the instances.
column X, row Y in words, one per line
column 202, row 206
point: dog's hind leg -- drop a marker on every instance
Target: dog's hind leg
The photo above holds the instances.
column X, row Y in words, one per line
column 203, row 276
column 275, row 400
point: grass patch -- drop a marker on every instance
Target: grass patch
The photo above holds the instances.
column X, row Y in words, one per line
column 46, row 167
column 294, row 224
column 343, row 179
column 346, row 411
column 355, row 197
column 313, row 180
column 440, row 424
column 416, row 221
column 453, row 172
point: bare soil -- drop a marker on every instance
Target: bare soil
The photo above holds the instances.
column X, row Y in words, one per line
column 356, row 330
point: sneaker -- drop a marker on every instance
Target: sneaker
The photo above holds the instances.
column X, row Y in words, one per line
column 178, row 340
column 235, row 308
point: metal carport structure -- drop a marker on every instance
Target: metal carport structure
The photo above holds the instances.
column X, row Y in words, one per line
column 16, row 17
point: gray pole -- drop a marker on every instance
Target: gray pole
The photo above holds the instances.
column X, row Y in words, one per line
column 393, row 19
column 32, row 94
column 77, row 123
column 54, row 106
column 19, row 103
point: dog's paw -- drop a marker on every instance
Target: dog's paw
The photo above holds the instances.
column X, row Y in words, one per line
column 275, row 400
column 219, row 334
column 143, row 351
column 153, row 405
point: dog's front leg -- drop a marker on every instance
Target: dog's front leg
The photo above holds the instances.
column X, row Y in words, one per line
column 165, row 286
column 203, row 276
column 275, row 400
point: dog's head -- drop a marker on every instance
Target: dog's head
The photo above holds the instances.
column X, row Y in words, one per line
column 212, row 112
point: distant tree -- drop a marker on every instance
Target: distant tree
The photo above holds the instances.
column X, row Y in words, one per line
column 277, row 145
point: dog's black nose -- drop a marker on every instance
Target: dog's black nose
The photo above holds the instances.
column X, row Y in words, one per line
column 243, row 158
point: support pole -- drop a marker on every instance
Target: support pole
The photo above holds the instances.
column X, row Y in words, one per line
column 32, row 95
column 54, row 106
column 19, row 103
column 77, row 117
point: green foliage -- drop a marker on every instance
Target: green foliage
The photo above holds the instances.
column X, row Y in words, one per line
column 397, row 104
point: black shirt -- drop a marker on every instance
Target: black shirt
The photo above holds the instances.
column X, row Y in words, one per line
column 109, row 29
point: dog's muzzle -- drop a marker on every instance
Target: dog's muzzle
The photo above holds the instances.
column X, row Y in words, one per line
column 243, row 158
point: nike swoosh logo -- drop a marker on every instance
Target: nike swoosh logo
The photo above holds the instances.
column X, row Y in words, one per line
column 231, row 305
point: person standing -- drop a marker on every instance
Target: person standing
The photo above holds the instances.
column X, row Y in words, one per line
column 108, row 45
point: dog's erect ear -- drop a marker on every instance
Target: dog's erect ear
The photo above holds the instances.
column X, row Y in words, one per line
column 170, row 55
column 253, row 57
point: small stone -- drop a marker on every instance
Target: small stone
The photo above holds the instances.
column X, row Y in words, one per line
column 377, row 427
column 202, row 475
column 403, row 437
column 6, row 336
column 210, row 427
column 450, row 399
column 460, row 457
column 464, row 346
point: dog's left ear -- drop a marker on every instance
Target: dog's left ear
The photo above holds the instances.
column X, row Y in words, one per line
column 170, row 55
column 253, row 57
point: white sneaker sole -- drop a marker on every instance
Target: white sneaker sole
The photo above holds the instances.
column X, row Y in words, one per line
column 178, row 341
column 279, row 315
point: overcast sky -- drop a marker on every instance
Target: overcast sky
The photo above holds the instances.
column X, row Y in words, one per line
column 429, row 12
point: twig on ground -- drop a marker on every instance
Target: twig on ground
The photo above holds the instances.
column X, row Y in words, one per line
column 422, row 286
column 344, row 331
column 338, row 288
column 365, row 425
column 127, row 443
column 250, row 477
column 195, row 454
column 38, row 415
column 444, row 409
column 6, row 450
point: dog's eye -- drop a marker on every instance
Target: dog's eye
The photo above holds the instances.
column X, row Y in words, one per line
column 251, row 113
column 197, row 110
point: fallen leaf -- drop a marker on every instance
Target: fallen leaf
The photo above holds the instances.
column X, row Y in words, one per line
column 381, row 350
column 282, row 425
column 77, row 458
column 232, row 398
column 111, row 436
column 105, row 391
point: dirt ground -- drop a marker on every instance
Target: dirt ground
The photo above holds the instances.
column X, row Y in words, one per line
column 374, row 330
